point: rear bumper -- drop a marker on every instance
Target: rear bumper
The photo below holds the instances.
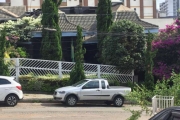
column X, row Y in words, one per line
column 20, row 95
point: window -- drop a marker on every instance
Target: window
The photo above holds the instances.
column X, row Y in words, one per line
column 4, row 81
column 80, row 83
column 103, row 84
column 91, row 85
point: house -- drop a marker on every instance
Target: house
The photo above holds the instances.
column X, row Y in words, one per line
column 69, row 22
column 11, row 13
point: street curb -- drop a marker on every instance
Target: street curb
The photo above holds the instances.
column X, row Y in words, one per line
column 42, row 100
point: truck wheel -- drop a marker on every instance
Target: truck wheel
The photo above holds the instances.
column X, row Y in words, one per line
column 11, row 100
column 71, row 100
column 118, row 101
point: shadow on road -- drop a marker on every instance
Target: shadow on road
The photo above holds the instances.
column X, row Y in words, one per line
column 3, row 104
column 78, row 105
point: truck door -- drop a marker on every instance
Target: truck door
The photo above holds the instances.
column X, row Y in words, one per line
column 91, row 91
column 106, row 93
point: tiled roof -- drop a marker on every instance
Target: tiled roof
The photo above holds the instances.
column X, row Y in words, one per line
column 120, row 8
column 132, row 16
column 120, row 12
column 5, row 13
column 65, row 25
column 69, row 22
column 87, row 21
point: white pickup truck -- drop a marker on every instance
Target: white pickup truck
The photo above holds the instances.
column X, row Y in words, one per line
column 91, row 90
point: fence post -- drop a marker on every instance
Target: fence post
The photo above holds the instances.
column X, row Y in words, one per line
column 99, row 71
column 17, row 69
column 60, row 69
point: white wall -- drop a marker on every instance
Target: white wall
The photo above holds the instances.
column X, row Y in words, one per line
column 33, row 4
column 117, row 0
column 148, row 11
column 160, row 22
column 137, row 10
column 135, row 3
column 148, row 2
column 170, row 8
column 125, row 3
column 15, row 3
column 91, row 3
column 72, row 2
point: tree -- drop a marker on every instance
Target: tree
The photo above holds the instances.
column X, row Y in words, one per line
column 51, row 33
column 125, row 48
column 149, row 55
column 167, row 45
column 3, row 67
column 77, row 72
column 104, row 22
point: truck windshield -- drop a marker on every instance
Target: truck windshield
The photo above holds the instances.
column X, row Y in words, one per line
column 78, row 84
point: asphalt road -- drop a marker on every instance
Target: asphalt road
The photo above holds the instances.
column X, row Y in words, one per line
column 55, row 111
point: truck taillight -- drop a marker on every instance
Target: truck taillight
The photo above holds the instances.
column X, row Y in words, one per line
column 19, row 87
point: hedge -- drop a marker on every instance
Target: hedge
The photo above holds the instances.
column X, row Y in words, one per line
column 42, row 83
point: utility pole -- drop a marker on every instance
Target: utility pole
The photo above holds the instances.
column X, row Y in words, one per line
column 178, row 9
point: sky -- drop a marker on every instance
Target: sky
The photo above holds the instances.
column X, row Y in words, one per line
column 157, row 3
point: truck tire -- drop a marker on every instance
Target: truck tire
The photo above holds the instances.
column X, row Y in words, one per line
column 71, row 100
column 118, row 101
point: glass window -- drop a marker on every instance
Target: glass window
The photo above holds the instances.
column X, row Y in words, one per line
column 78, row 84
column 103, row 84
column 4, row 81
column 91, row 85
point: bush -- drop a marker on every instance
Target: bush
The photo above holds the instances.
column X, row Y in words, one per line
column 46, row 83
column 142, row 96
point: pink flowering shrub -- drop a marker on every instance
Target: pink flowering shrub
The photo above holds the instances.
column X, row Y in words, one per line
column 167, row 45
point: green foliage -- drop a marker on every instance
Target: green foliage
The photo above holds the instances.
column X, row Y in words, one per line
column 135, row 114
column 142, row 96
column 46, row 83
column 77, row 72
column 19, row 52
column 149, row 55
column 20, row 30
column 170, row 87
column 3, row 67
column 126, row 51
column 104, row 22
column 51, row 39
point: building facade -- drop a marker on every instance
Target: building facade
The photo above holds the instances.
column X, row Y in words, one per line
column 170, row 7
column 144, row 8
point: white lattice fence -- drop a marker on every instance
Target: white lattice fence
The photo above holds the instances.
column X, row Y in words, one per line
column 22, row 66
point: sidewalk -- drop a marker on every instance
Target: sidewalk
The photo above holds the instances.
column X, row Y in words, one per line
column 31, row 98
